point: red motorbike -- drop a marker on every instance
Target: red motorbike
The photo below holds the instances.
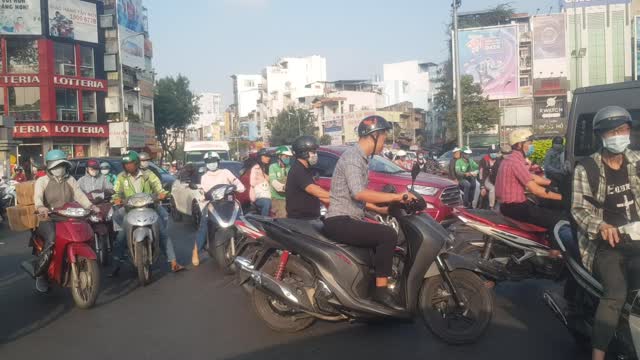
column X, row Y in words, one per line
column 102, row 225
column 73, row 263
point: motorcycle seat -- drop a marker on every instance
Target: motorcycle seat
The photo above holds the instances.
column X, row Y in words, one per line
column 491, row 217
column 314, row 230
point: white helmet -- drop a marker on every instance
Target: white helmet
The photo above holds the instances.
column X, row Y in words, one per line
column 520, row 135
column 211, row 156
column 401, row 153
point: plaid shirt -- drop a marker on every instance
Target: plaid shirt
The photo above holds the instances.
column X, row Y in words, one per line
column 513, row 177
column 587, row 216
column 350, row 177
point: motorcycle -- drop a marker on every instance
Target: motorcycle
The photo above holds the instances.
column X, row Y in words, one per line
column 300, row 275
column 7, row 197
column 73, row 263
column 142, row 228
column 102, row 225
column 626, row 342
column 229, row 232
column 510, row 250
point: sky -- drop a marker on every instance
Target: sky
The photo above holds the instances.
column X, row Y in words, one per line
column 210, row 40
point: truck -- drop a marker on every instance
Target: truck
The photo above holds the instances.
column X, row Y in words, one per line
column 194, row 150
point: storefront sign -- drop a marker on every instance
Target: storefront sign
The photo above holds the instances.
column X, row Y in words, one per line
column 550, row 116
column 12, row 80
column 81, row 83
column 45, row 129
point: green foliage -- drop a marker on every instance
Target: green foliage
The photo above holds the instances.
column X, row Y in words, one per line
column 541, row 147
column 290, row 124
column 325, row 140
column 499, row 15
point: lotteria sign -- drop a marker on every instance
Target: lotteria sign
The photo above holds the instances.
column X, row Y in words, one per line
column 45, row 129
column 58, row 80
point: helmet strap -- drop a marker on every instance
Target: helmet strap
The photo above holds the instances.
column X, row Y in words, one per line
column 375, row 143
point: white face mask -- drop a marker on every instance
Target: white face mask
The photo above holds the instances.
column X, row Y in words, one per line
column 212, row 166
column 58, row 172
column 92, row 172
column 104, row 171
column 616, row 144
column 313, row 158
column 144, row 164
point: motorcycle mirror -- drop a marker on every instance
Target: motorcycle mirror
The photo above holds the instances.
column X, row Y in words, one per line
column 414, row 174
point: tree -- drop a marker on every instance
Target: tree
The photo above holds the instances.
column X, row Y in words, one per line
column 325, row 140
column 175, row 107
column 290, row 124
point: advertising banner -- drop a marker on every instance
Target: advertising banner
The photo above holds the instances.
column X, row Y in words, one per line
column 73, row 19
column 132, row 47
column 333, row 128
column 549, row 116
column 569, row 4
column 490, row 55
column 549, row 46
column 20, row 17
column 131, row 15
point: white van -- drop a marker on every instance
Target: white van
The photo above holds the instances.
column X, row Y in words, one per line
column 194, row 150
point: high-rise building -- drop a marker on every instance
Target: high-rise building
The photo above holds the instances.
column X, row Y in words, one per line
column 408, row 81
column 210, row 105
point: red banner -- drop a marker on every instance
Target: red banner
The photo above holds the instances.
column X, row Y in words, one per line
column 59, row 129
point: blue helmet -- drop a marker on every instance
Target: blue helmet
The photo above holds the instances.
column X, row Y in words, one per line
column 55, row 158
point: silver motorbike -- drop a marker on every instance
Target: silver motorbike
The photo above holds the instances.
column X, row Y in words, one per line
column 142, row 227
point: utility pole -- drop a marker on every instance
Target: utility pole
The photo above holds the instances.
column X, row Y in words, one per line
column 456, row 66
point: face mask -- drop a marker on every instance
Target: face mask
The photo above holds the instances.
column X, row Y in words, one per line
column 530, row 151
column 58, row 172
column 616, row 144
column 465, row 156
column 313, row 158
column 93, row 172
column 212, row 166
column 493, row 156
column 144, row 164
column 104, row 171
column 558, row 147
column 286, row 161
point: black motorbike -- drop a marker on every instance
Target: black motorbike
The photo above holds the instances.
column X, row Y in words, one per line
column 300, row 275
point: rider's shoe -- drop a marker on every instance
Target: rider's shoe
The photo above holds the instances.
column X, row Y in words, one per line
column 42, row 284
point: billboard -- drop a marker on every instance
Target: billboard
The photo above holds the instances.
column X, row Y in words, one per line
column 490, row 55
column 333, row 127
column 549, row 46
column 570, row 4
column 549, row 116
column 130, row 27
column 20, row 17
column 73, row 19
column 131, row 15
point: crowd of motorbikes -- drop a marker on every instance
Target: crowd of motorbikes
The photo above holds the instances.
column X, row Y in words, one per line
column 295, row 275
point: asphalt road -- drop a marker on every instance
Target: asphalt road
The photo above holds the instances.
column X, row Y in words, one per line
column 200, row 314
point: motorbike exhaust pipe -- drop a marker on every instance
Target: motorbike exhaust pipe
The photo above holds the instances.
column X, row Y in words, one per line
column 270, row 285
column 555, row 307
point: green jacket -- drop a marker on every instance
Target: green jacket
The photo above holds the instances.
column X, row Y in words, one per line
column 124, row 187
column 111, row 178
column 277, row 180
column 463, row 167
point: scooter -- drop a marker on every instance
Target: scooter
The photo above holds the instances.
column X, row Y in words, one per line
column 301, row 275
column 142, row 228
column 102, row 225
column 626, row 342
column 74, row 263
column 7, row 196
column 229, row 232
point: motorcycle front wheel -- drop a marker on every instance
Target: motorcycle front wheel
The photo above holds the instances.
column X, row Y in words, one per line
column 223, row 251
column 102, row 249
column 142, row 264
column 85, row 283
column 445, row 318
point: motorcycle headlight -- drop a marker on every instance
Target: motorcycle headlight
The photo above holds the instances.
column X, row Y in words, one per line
column 218, row 194
column 424, row 190
column 140, row 200
column 73, row 212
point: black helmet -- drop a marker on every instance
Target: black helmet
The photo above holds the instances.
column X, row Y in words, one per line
column 303, row 145
column 263, row 152
column 557, row 140
column 493, row 149
column 609, row 118
column 371, row 124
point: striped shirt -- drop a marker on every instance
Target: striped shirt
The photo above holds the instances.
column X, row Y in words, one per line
column 350, row 177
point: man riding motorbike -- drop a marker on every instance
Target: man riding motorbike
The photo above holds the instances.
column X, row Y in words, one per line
column 451, row 169
column 302, row 193
column 349, row 196
column 105, row 170
column 606, row 196
column 53, row 191
column 133, row 181
column 278, row 173
column 466, row 172
column 94, row 180
column 214, row 176
column 487, row 186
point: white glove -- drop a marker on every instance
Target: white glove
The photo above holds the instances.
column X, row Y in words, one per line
column 632, row 229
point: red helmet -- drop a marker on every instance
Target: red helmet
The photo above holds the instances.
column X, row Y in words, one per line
column 93, row 164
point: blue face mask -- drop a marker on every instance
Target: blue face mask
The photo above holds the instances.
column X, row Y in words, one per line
column 531, row 150
column 286, row 161
column 493, row 156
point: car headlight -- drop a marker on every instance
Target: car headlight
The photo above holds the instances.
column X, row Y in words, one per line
column 424, row 190
column 140, row 200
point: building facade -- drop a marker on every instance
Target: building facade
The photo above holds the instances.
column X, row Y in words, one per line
column 408, row 81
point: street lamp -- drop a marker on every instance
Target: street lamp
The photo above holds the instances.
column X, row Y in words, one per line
column 456, row 66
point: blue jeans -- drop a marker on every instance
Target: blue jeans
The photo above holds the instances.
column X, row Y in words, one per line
column 166, row 244
column 264, row 206
column 570, row 243
column 203, row 230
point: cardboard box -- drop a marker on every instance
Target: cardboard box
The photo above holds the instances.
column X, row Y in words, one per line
column 22, row 218
column 24, row 193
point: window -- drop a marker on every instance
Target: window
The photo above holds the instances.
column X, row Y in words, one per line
column 586, row 142
column 89, row 106
column 383, row 165
column 24, row 103
column 1, row 101
column 249, row 83
column 524, row 81
column 67, row 104
column 147, row 113
column 65, row 58
column 352, row 107
column 22, row 56
column 326, row 165
column 597, row 50
column 86, row 62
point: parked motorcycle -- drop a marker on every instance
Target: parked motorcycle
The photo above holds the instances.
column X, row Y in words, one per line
column 300, row 275
column 102, row 225
column 74, row 263
column 626, row 343
column 229, row 232
column 142, row 228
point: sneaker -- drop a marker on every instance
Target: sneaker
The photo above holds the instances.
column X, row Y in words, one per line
column 42, row 284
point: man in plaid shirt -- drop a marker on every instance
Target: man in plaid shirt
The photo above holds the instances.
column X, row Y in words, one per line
column 599, row 212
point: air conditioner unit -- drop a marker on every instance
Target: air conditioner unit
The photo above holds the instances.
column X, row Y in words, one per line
column 107, row 21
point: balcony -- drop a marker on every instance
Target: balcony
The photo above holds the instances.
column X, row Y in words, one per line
column 67, row 114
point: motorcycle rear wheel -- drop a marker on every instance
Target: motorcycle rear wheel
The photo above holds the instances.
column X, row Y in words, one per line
column 142, row 265
column 85, row 291
column 439, row 308
column 175, row 214
column 103, row 252
column 275, row 314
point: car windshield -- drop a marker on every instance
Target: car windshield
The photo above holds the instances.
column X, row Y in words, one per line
column 383, row 165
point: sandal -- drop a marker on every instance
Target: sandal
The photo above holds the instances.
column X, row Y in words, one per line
column 175, row 267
